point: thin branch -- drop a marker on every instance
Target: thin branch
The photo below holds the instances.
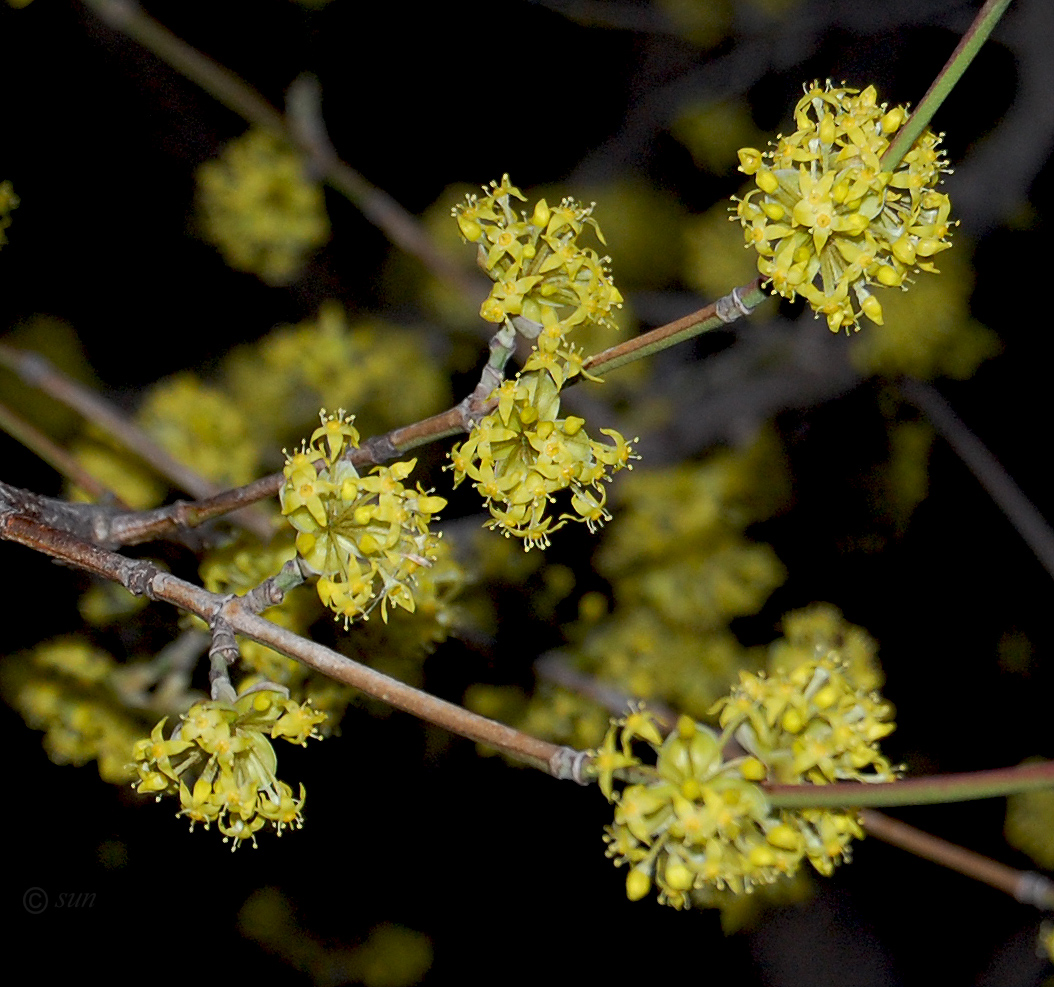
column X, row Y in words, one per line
column 997, row 483
column 961, row 787
column 397, row 224
column 1028, row 887
column 737, row 303
column 144, row 578
column 931, row 790
column 56, row 457
column 141, row 578
column 37, row 371
column 133, row 529
column 142, row 526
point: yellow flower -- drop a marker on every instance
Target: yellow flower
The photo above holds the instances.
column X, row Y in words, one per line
column 366, row 536
column 8, row 201
column 827, row 221
column 539, row 269
column 701, row 823
column 220, row 763
column 258, row 207
column 522, row 454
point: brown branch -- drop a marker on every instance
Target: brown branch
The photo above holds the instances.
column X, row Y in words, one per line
column 144, row 578
column 1027, row 887
column 726, row 309
column 384, row 212
column 135, row 528
column 37, row 371
column 56, row 457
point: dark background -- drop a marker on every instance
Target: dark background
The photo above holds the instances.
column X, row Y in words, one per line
column 502, row 868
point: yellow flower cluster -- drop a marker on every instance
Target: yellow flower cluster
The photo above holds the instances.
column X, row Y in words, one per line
column 1045, row 942
column 202, row 427
column 221, row 764
column 523, row 453
column 813, row 724
column 828, row 220
column 698, row 822
column 382, row 370
column 69, row 689
column 818, row 629
column 366, row 536
column 259, row 209
column 538, row 268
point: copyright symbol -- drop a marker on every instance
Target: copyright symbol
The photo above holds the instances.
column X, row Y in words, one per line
column 35, row 900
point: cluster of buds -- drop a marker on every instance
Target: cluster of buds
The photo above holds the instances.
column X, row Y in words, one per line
column 220, row 763
column 829, row 219
column 699, row 820
column 366, row 536
column 545, row 284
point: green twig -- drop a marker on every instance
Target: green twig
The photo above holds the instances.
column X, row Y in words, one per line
column 737, row 303
column 932, row 790
column 964, row 53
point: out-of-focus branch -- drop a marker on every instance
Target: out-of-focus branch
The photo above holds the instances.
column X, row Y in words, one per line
column 36, row 371
column 376, row 205
column 1028, row 887
column 997, row 483
column 55, row 456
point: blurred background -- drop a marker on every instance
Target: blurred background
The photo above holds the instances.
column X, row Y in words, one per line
column 469, row 867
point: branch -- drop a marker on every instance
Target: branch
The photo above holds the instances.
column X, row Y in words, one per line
column 397, row 224
column 135, row 528
column 56, row 457
column 143, row 578
column 1028, row 887
column 37, row 371
column 737, row 303
column 932, row 790
column 997, row 483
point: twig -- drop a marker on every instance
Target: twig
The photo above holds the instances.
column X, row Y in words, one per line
column 56, row 457
column 932, row 790
column 37, row 371
column 1028, row 887
column 133, row 529
column 997, row 483
column 400, row 226
column 141, row 578
column 739, row 302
